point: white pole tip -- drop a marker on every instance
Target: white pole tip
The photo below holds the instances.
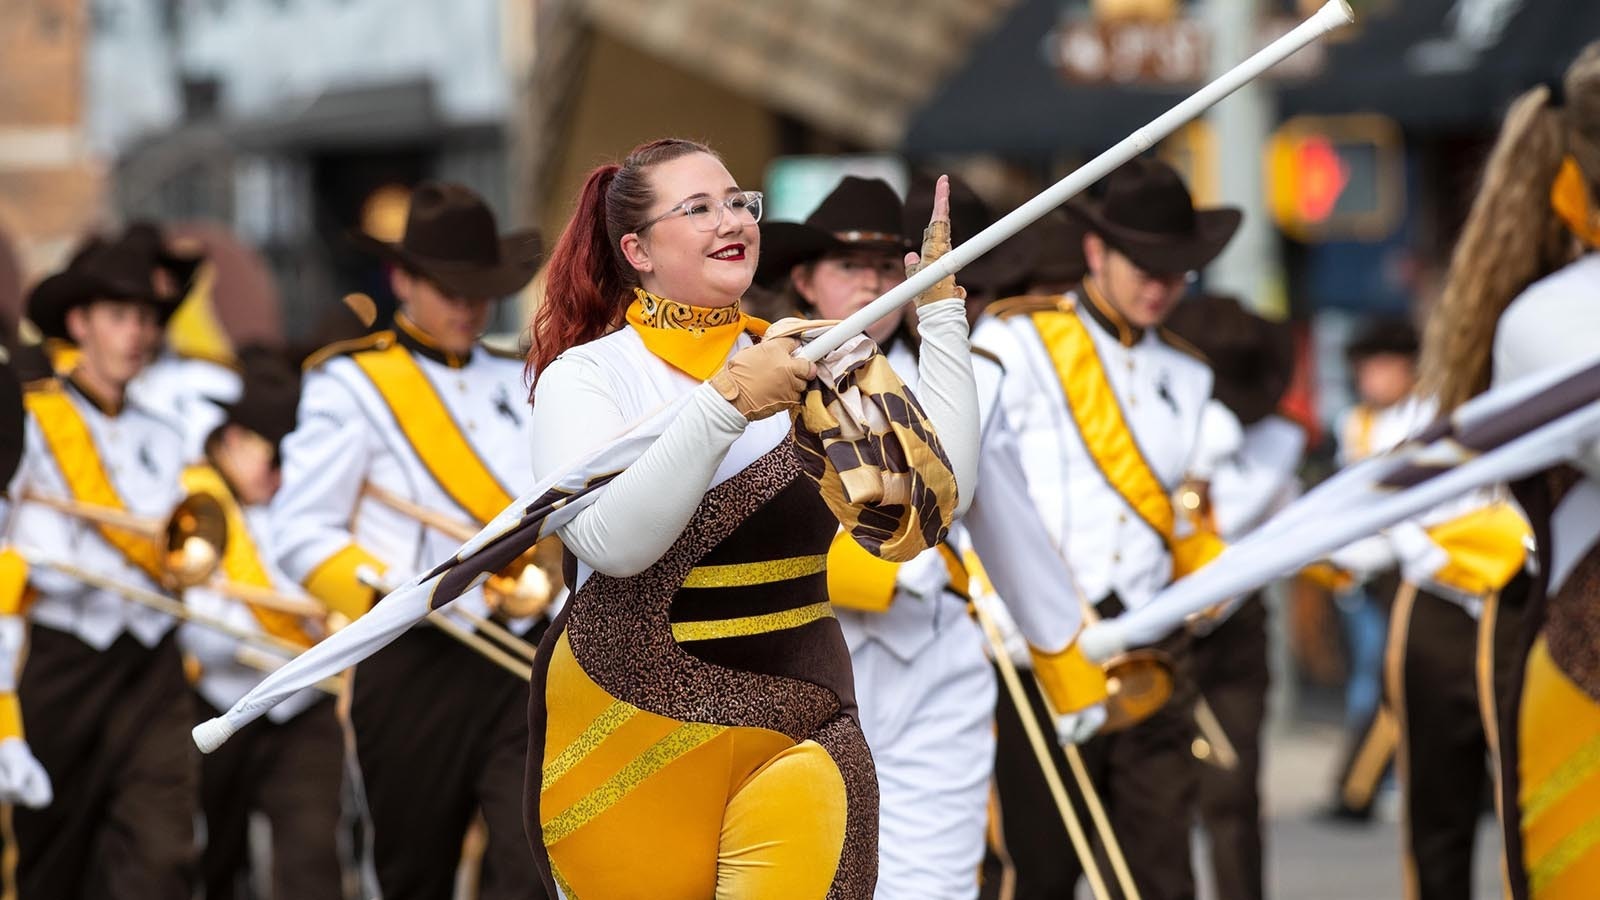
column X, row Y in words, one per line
column 1343, row 10
column 210, row 734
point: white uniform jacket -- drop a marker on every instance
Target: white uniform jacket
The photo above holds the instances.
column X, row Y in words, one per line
column 141, row 455
column 188, row 391
column 1161, row 391
column 324, row 528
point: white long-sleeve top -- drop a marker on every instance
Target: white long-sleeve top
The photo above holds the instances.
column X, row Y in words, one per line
column 347, row 436
column 1162, row 392
column 142, row 454
column 1555, row 322
column 593, row 392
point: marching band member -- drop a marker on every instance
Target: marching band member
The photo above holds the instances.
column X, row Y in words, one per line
column 288, row 765
column 426, row 413
column 1108, row 411
column 698, row 674
column 105, row 780
column 1519, row 300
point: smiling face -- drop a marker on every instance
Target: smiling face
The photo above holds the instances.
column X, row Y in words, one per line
column 675, row 260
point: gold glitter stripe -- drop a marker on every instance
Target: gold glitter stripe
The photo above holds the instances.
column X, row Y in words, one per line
column 744, row 574
column 561, row 883
column 1550, row 866
column 1583, row 763
column 604, row 725
column 678, row 742
column 748, row 625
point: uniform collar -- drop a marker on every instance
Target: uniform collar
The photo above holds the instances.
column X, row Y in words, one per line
column 1106, row 316
column 419, row 342
column 107, row 410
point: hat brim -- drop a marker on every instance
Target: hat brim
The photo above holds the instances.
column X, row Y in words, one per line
column 51, row 299
column 520, row 255
column 1164, row 254
column 785, row 245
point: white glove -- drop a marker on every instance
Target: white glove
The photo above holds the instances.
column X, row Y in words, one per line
column 1075, row 728
column 22, row 779
column 1420, row 558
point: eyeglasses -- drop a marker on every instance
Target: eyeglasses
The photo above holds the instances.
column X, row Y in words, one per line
column 705, row 214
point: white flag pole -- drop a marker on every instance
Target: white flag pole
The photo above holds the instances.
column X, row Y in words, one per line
column 1332, row 16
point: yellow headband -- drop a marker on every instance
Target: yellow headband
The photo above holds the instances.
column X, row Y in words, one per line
column 1572, row 203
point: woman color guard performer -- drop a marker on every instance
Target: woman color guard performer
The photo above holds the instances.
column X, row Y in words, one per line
column 693, row 726
column 1520, row 298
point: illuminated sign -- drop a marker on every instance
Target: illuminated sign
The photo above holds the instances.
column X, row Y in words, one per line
column 1337, row 177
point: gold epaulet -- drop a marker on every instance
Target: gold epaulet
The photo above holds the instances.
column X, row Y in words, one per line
column 377, row 340
column 1173, row 340
column 1028, row 304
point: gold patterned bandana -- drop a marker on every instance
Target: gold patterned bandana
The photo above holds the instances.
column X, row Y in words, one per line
column 692, row 339
column 863, row 437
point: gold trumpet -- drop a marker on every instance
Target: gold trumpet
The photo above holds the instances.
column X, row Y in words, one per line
column 523, row 589
column 191, row 538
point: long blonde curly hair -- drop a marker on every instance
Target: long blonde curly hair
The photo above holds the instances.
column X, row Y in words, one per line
column 1512, row 238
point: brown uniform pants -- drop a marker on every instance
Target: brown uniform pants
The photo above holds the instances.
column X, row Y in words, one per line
column 1433, row 683
column 1231, row 670
column 111, row 727
column 1145, row 776
column 442, row 733
column 291, row 772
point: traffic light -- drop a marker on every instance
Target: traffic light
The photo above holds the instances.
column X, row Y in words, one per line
column 1337, row 177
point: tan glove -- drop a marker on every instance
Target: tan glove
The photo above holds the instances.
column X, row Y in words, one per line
column 765, row 378
column 936, row 243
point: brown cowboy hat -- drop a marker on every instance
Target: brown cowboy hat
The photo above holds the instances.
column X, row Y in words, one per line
column 452, row 240
column 269, row 401
column 861, row 213
column 138, row 265
column 1002, row 268
column 1252, row 358
column 1147, row 215
column 1058, row 258
column 1387, row 335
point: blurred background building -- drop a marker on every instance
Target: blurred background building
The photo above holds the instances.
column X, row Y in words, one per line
column 292, row 122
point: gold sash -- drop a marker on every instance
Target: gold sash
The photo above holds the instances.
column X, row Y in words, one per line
column 241, row 561
column 1110, row 442
column 72, row 446
column 433, row 432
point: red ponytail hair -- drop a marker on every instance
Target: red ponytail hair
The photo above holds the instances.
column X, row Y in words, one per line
column 587, row 278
